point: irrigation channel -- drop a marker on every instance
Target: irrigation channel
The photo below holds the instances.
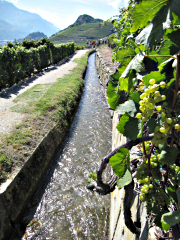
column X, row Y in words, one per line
column 62, row 206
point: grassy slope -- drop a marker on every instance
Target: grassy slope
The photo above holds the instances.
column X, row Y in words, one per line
column 85, row 32
column 44, row 106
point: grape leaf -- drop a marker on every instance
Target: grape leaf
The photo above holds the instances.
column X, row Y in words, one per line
column 151, row 124
column 125, row 180
column 120, row 162
column 127, row 107
column 159, row 13
column 154, row 75
column 170, row 44
column 144, row 12
column 170, row 219
column 124, row 55
column 128, row 126
column 136, row 64
column 123, row 84
column 115, row 97
column 168, row 155
column 135, row 96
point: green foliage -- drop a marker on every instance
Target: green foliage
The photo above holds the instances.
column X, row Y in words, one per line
column 120, row 162
column 168, row 155
column 130, row 127
column 127, row 107
column 19, row 61
column 145, row 93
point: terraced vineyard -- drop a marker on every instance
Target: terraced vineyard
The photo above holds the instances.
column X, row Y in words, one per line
column 80, row 34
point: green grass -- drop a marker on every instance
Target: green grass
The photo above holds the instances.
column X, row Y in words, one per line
column 28, row 98
column 45, row 106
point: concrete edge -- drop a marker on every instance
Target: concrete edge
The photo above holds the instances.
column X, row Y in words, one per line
column 20, row 189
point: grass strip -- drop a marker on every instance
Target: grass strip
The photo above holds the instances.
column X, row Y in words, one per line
column 44, row 106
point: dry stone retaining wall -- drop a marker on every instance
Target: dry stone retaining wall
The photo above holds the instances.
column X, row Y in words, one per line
column 117, row 228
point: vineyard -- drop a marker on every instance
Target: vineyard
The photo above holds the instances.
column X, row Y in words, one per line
column 144, row 91
column 21, row 60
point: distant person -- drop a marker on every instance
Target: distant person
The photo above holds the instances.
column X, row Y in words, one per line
column 87, row 43
column 93, row 44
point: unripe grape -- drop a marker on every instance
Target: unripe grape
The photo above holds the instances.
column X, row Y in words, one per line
column 150, row 112
column 142, row 198
column 144, row 119
column 177, row 126
column 141, row 103
column 143, row 95
column 142, row 108
column 157, row 94
column 163, row 97
column 162, row 130
column 145, row 100
column 159, row 108
column 154, row 87
column 163, row 115
column 156, row 129
column 162, row 84
column 169, row 120
column 165, row 104
column 151, row 106
column 152, row 81
column 146, row 179
column 139, row 115
column 147, row 92
column 158, row 99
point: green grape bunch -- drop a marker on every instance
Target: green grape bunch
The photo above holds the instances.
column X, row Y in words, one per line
column 150, row 98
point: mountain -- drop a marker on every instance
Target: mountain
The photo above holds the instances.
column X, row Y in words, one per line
column 82, row 19
column 83, row 29
column 21, row 22
column 8, row 32
column 36, row 35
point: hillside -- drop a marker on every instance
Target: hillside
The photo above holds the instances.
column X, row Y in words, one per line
column 21, row 22
column 36, row 35
column 82, row 19
column 81, row 33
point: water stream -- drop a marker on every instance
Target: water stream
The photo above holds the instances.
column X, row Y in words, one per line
column 62, row 204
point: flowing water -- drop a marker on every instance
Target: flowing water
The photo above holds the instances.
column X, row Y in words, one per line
column 62, row 206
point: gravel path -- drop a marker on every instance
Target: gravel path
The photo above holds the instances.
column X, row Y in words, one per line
column 9, row 119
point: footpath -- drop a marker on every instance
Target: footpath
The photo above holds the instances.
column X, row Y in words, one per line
column 31, row 157
column 10, row 119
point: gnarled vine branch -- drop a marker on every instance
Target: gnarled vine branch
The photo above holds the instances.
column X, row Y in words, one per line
column 105, row 188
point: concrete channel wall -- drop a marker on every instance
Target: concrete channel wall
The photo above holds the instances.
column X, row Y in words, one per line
column 117, row 227
column 16, row 192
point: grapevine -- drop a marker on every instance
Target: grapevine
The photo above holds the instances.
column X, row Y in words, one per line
column 145, row 93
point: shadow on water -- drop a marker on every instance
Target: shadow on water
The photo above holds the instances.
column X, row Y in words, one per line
column 62, row 204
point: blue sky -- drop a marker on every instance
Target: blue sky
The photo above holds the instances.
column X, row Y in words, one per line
column 62, row 13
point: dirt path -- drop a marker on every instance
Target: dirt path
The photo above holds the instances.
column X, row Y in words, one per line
column 9, row 119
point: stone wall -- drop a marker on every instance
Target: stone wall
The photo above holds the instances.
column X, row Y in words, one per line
column 117, row 227
column 104, row 71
